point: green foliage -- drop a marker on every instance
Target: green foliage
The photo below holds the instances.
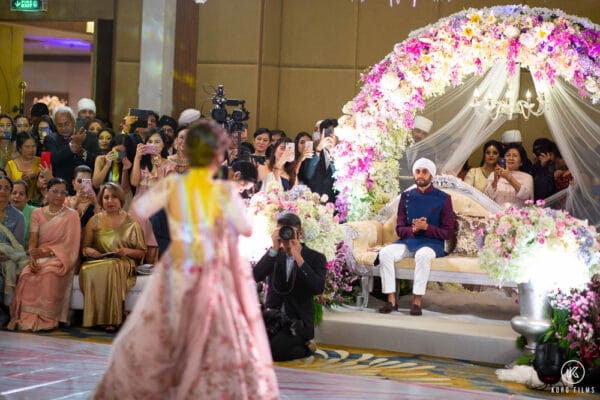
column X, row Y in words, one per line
column 318, row 311
column 521, row 342
column 525, row 359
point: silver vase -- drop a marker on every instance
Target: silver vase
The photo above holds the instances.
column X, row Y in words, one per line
column 535, row 315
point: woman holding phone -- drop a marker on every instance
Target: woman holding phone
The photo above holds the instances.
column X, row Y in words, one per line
column 510, row 186
column 150, row 165
column 84, row 201
column 280, row 167
column 26, row 166
column 304, row 151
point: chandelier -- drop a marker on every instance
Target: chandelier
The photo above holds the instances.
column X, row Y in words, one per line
column 510, row 105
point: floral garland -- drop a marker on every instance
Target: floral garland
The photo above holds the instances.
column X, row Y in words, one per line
column 534, row 242
column 374, row 130
column 322, row 233
column 576, row 323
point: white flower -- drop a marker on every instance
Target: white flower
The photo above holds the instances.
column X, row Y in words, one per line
column 389, row 82
column 512, row 31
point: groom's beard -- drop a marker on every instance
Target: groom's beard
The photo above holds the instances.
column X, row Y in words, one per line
column 422, row 183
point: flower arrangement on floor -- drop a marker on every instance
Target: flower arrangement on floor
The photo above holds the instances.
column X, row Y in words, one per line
column 374, row 132
column 576, row 323
column 550, row 246
column 322, row 232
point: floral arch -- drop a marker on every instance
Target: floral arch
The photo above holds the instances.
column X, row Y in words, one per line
column 476, row 48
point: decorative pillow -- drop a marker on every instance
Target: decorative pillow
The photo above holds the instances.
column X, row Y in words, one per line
column 466, row 234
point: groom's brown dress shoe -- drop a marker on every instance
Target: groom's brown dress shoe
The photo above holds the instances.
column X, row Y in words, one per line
column 388, row 308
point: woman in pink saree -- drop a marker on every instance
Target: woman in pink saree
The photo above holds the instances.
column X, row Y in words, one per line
column 43, row 292
column 197, row 331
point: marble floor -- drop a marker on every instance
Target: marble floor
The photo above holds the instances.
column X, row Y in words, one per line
column 37, row 367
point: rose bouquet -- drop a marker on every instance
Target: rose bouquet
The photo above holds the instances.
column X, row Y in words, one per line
column 550, row 246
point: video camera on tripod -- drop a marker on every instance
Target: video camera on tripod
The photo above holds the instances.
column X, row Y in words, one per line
column 234, row 121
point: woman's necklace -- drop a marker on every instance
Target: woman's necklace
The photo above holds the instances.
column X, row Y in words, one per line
column 53, row 213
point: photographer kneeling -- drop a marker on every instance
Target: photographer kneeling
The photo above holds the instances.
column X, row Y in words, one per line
column 295, row 273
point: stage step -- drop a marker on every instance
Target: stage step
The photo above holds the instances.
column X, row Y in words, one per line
column 463, row 337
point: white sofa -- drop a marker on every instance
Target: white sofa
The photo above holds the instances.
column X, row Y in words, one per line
column 369, row 236
column 130, row 299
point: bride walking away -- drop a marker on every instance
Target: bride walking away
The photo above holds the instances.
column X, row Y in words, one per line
column 197, row 330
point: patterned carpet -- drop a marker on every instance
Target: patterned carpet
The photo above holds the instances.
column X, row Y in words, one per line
column 377, row 364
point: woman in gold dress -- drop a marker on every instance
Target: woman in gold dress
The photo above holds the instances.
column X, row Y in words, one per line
column 105, row 279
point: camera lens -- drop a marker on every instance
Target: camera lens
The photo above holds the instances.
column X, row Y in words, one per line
column 286, row 232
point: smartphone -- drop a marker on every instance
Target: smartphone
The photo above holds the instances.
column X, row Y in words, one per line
column 502, row 162
column 80, row 123
column 327, row 132
column 292, row 147
column 151, row 149
column 45, row 159
column 142, row 118
column 86, row 186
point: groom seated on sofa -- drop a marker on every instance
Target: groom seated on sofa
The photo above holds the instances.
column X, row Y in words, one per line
column 425, row 220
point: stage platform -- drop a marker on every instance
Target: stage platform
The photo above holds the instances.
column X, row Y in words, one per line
column 459, row 336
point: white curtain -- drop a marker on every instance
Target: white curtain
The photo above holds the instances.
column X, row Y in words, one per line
column 570, row 118
column 452, row 142
column 573, row 122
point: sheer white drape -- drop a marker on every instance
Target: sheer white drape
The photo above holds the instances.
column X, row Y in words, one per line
column 572, row 121
column 452, row 142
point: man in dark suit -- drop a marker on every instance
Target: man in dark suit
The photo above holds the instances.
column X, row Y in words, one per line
column 70, row 149
column 295, row 273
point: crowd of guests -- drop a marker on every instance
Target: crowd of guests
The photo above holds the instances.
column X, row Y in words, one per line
column 67, row 181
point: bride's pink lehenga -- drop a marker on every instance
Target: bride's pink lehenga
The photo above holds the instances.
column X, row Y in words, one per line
column 196, row 331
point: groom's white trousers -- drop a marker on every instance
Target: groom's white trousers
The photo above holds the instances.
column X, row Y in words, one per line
column 396, row 252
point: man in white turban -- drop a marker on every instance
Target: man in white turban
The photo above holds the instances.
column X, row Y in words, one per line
column 425, row 221
column 86, row 109
column 421, row 128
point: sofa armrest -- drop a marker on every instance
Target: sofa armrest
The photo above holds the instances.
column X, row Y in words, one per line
column 368, row 234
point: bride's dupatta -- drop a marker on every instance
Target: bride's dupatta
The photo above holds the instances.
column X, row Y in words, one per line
column 42, row 298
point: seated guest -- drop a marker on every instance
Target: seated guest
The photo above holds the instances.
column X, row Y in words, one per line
column 84, row 201
column 43, row 290
column 41, row 185
column 510, row 186
column 114, row 166
column 104, row 281
column 425, row 220
column 12, row 254
column 18, row 199
column 262, row 140
column 294, row 273
column 280, row 167
column 26, row 166
column 68, row 148
column 477, row 177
